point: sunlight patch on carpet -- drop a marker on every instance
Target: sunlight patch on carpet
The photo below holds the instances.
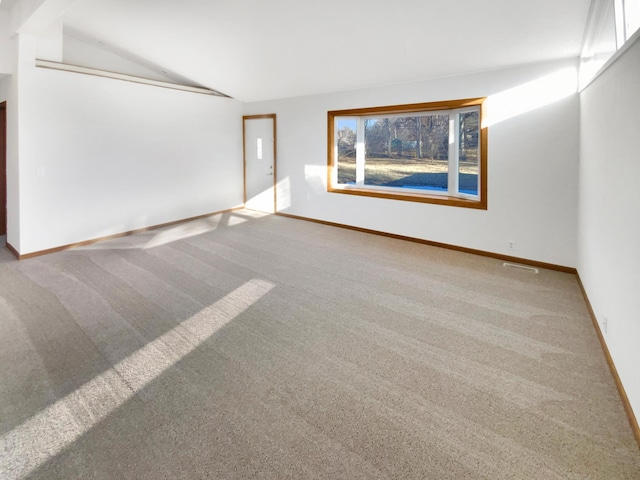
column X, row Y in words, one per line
column 49, row 432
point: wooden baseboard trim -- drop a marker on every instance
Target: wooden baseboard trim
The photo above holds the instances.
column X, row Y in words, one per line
column 506, row 258
column 13, row 250
column 116, row 235
column 633, row 421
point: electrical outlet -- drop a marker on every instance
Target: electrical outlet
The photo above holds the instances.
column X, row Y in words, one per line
column 605, row 324
column 511, row 245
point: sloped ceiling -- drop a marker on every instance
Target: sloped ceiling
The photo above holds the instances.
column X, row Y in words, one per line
column 264, row 49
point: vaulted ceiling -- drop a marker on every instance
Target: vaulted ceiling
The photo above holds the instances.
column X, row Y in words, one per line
column 264, row 49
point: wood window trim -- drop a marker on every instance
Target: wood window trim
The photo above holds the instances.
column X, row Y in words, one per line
column 437, row 199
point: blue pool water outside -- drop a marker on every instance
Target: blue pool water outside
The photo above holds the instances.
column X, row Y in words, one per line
column 434, row 182
column 426, row 187
column 440, row 189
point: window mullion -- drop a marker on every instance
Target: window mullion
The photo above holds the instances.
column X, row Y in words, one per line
column 620, row 24
column 454, row 142
column 360, row 151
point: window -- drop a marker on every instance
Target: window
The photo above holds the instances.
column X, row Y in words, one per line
column 610, row 26
column 429, row 152
column 631, row 17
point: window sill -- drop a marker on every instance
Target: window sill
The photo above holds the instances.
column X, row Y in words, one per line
column 415, row 197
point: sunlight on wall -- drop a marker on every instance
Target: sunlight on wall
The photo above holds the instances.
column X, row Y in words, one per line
column 316, row 177
column 589, row 69
column 283, row 189
column 49, row 432
column 530, row 96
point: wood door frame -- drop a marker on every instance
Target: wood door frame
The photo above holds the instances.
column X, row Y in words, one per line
column 3, row 167
column 272, row 116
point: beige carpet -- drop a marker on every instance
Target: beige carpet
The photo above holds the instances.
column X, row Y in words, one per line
column 253, row 346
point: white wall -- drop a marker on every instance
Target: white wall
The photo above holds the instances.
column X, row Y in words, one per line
column 101, row 156
column 533, row 165
column 23, row 48
column 609, row 214
column 79, row 52
column 6, row 49
column 5, row 85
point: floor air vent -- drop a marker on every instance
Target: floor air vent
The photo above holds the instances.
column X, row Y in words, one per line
column 520, row 267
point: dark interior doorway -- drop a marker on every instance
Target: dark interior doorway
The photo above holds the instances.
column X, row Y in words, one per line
column 3, row 168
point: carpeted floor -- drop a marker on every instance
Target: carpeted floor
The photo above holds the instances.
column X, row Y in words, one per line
column 249, row 346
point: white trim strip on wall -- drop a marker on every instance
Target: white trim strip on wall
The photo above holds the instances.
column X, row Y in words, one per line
column 128, row 78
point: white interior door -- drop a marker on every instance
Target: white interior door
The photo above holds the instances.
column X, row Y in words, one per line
column 260, row 167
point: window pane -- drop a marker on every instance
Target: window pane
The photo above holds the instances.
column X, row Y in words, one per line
column 631, row 16
column 346, row 133
column 618, row 12
column 601, row 42
column 407, row 152
column 469, row 148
